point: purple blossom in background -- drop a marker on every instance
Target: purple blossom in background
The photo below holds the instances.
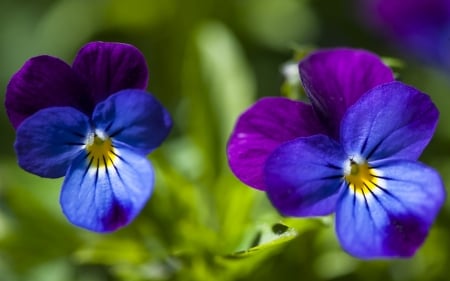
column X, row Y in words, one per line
column 93, row 123
column 352, row 152
column 420, row 27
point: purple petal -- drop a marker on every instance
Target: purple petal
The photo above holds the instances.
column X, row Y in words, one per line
column 110, row 67
column 48, row 141
column 391, row 120
column 42, row 82
column 304, row 176
column 262, row 128
column 335, row 79
column 106, row 198
column 135, row 118
column 392, row 219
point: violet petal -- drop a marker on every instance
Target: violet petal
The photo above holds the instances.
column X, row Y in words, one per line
column 334, row 79
column 42, row 82
column 262, row 128
column 107, row 68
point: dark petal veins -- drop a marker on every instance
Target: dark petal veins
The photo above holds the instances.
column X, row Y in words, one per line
column 394, row 220
column 105, row 198
column 304, row 176
column 135, row 118
column 391, row 120
column 48, row 141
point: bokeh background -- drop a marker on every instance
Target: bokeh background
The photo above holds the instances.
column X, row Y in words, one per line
column 209, row 60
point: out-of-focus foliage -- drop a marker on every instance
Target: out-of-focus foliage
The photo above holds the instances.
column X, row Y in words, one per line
column 208, row 60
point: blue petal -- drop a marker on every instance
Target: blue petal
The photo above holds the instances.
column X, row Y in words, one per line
column 391, row 120
column 49, row 140
column 393, row 219
column 135, row 118
column 103, row 199
column 304, row 176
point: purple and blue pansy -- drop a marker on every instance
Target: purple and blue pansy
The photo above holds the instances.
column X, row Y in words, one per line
column 93, row 123
column 353, row 151
column 420, row 27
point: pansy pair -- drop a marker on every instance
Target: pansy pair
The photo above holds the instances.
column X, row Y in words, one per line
column 352, row 151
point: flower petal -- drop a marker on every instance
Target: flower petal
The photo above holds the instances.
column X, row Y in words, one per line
column 42, row 82
column 304, row 176
column 393, row 219
column 110, row 67
column 334, row 79
column 49, row 140
column 135, row 118
column 262, row 128
column 105, row 198
column 391, row 120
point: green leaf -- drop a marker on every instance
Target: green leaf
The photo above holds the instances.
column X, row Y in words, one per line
column 218, row 86
column 267, row 237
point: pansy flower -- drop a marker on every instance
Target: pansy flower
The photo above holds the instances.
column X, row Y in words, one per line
column 333, row 79
column 363, row 166
column 420, row 27
column 93, row 123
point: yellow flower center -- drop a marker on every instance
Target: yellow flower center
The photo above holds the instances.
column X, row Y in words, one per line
column 100, row 151
column 361, row 178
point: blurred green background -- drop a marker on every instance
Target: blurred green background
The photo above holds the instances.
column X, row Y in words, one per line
column 209, row 60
